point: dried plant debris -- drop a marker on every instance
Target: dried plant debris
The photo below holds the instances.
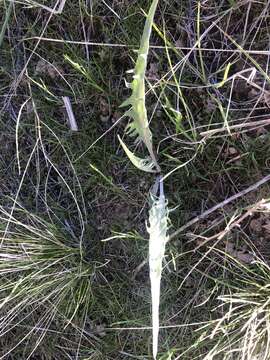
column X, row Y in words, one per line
column 241, row 255
column 46, row 68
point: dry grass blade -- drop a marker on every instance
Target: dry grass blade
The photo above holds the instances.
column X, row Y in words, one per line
column 71, row 118
column 57, row 9
column 5, row 24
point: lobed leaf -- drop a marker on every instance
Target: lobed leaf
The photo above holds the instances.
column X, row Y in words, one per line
column 142, row 164
column 140, row 126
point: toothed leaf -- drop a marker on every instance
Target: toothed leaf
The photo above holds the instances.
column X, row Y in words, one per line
column 137, row 112
column 142, row 164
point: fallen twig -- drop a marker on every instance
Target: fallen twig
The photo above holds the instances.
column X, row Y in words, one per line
column 219, row 206
column 161, row 47
column 238, row 126
column 232, row 224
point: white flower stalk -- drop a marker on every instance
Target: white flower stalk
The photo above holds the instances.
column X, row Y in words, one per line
column 157, row 229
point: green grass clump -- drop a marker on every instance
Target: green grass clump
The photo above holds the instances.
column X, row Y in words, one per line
column 44, row 278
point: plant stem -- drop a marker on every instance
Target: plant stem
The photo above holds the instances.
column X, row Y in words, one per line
column 5, row 24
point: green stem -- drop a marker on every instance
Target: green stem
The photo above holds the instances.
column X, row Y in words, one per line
column 5, row 24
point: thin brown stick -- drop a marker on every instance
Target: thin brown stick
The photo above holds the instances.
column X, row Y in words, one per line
column 220, row 235
column 219, row 206
column 90, row 43
column 237, row 222
column 237, row 126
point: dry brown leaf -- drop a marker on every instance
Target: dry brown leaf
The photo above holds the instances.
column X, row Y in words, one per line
column 256, row 225
column 45, row 68
column 246, row 258
column 261, row 131
column 210, row 105
column 241, row 255
column 152, row 73
column 105, row 111
column 229, row 247
column 100, row 330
